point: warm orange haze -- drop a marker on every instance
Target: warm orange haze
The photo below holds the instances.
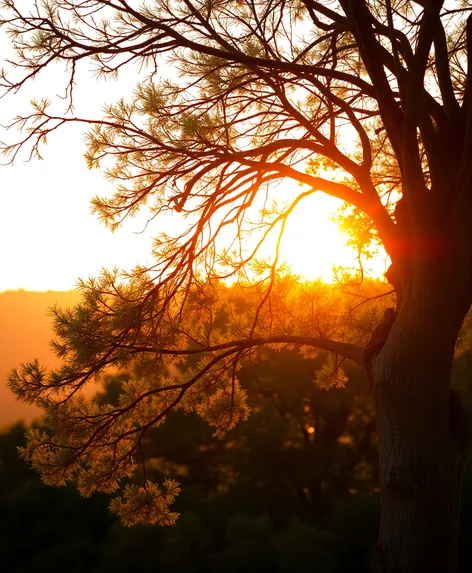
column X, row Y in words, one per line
column 25, row 327
column 50, row 239
column 228, row 316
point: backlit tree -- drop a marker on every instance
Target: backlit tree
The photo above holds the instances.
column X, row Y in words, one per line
column 367, row 101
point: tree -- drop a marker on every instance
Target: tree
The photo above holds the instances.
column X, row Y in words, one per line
column 367, row 101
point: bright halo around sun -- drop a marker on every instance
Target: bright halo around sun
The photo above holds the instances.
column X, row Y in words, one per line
column 313, row 245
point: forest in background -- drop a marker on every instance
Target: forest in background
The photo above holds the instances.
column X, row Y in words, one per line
column 296, row 484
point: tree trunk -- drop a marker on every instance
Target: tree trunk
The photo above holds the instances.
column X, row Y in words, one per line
column 421, row 445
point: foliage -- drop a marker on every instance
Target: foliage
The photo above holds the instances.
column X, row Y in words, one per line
column 224, row 522
column 243, row 499
column 98, row 443
column 342, row 98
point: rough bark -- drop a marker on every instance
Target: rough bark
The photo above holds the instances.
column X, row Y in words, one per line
column 423, row 434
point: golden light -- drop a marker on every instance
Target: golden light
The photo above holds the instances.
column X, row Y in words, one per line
column 49, row 237
column 313, row 244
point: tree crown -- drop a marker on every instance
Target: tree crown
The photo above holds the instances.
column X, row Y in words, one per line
column 365, row 101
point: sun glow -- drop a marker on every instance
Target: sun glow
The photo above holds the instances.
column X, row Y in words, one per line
column 51, row 239
column 313, row 245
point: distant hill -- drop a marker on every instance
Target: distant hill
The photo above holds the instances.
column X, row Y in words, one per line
column 25, row 333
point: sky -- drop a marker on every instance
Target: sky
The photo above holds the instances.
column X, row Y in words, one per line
column 48, row 236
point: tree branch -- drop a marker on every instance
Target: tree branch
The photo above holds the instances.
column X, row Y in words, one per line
column 351, row 351
column 357, row 12
column 411, row 161
column 451, row 105
column 465, row 169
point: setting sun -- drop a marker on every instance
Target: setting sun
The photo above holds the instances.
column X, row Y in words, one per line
column 256, row 161
column 313, row 244
column 64, row 241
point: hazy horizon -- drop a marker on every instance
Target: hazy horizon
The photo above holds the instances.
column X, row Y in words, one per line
column 25, row 328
